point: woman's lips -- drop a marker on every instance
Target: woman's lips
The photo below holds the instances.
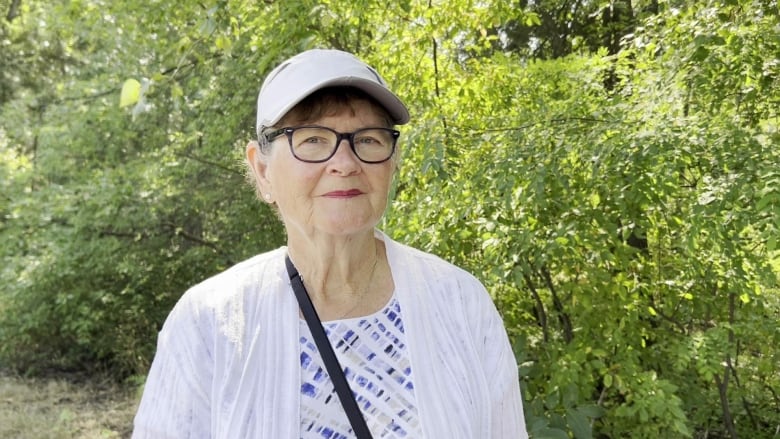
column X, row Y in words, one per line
column 344, row 194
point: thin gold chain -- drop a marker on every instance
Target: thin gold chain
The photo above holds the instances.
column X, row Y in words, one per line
column 365, row 290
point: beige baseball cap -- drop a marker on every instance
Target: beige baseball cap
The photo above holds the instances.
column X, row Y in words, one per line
column 303, row 74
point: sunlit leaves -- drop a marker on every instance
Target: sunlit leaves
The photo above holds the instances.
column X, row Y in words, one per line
column 131, row 93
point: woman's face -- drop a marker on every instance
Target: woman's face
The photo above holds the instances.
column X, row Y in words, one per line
column 341, row 196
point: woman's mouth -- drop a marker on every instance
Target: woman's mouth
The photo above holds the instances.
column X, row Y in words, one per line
column 344, row 194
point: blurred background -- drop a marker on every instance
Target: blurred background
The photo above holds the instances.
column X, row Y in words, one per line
column 609, row 169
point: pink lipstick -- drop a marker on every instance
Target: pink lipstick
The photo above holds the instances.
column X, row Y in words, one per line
column 344, row 194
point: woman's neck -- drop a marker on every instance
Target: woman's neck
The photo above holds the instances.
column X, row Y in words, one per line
column 336, row 269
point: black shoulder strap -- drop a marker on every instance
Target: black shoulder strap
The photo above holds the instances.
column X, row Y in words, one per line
column 332, row 365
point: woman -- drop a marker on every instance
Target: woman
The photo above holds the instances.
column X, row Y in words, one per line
column 420, row 342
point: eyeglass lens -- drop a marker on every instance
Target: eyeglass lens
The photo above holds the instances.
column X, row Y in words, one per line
column 319, row 143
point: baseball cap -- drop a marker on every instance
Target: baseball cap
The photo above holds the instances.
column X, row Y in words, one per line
column 303, row 74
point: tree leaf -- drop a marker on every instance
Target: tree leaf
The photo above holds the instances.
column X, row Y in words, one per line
column 551, row 433
column 579, row 424
column 131, row 92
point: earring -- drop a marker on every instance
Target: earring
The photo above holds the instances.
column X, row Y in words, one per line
column 267, row 197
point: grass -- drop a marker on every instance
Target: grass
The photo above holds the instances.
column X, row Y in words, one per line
column 65, row 408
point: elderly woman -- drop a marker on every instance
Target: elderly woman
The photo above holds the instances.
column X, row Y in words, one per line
column 417, row 340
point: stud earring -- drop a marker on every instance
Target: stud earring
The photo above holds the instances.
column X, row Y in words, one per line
column 267, row 197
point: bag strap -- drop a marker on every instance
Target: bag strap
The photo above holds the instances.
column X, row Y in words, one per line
column 332, row 365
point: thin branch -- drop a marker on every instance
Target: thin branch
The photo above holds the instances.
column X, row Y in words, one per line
column 546, row 122
column 723, row 384
column 210, row 163
column 171, row 71
column 568, row 332
column 13, row 10
column 192, row 63
column 724, row 403
column 172, row 229
column 118, row 234
column 541, row 314
column 90, row 97
column 436, row 85
column 745, row 403
column 666, row 317
column 774, row 395
column 436, row 67
column 179, row 231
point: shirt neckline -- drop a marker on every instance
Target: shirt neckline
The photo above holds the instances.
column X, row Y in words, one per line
column 381, row 310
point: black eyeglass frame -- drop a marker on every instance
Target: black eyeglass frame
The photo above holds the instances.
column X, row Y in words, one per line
column 273, row 135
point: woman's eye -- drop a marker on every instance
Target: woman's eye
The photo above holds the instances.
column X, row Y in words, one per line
column 367, row 140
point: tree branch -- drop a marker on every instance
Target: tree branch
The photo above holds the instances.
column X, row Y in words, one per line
column 170, row 71
column 563, row 317
column 668, row 318
column 556, row 121
column 728, row 419
column 723, row 384
column 436, row 67
column 774, row 396
column 13, row 10
column 171, row 228
column 179, row 231
column 734, row 366
column 210, row 163
column 99, row 94
column 541, row 314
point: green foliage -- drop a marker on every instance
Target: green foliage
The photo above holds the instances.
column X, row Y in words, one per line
column 610, row 173
column 113, row 212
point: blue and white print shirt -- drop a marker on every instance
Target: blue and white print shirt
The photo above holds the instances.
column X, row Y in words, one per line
column 372, row 351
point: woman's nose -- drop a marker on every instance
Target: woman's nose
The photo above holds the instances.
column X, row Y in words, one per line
column 344, row 161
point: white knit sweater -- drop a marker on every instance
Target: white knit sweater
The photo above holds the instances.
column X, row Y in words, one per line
column 228, row 366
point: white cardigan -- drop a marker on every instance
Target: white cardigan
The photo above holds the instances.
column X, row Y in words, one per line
column 227, row 362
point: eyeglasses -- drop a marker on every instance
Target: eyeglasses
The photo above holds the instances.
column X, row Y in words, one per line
column 316, row 144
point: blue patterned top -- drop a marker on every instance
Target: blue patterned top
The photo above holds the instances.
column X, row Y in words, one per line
column 372, row 350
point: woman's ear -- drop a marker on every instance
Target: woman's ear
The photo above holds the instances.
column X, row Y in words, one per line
column 257, row 163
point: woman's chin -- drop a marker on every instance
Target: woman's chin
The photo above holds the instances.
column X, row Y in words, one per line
column 348, row 226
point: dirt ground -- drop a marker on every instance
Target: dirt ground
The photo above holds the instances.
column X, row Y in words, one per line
column 65, row 408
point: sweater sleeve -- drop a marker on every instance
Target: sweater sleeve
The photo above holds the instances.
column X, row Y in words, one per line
column 175, row 401
column 507, row 417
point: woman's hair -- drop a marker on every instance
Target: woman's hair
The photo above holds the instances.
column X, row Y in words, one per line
column 326, row 102
column 329, row 101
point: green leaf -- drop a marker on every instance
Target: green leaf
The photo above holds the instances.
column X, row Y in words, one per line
column 131, row 93
column 591, row 410
column 595, row 200
column 551, row 433
column 579, row 424
column 700, row 54
column 532, row 19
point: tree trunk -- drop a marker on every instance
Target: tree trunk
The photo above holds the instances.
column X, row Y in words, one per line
column 13, row 10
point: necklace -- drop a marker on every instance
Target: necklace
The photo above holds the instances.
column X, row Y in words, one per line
column 365, row 290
